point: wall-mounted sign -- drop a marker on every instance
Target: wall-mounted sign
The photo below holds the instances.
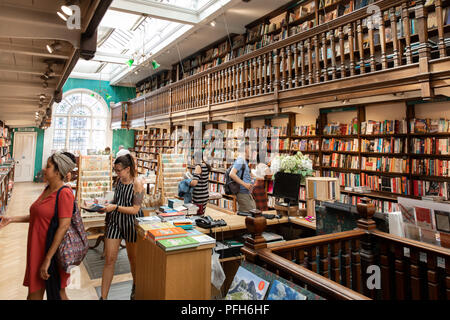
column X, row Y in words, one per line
column 25, row 129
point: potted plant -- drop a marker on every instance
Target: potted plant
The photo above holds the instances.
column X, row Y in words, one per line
column 295, row 164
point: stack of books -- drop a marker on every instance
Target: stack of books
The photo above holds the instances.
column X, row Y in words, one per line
column 172, row 235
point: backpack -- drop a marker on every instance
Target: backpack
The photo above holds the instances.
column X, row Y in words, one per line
column 75, row 245
column 232, row 187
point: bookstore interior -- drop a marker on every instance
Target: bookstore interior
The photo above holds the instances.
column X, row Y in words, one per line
column 225, row 150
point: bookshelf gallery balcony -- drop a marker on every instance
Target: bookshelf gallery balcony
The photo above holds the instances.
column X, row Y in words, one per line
column 342, row 49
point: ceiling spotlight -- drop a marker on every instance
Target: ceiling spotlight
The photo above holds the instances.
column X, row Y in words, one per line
column 300, row 107
column 62, row 16
column 45, row 85
column 42, row 96
column 213, row 23
column 53, row 47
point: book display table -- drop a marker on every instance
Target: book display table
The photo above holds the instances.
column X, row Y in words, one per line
column 172, row 275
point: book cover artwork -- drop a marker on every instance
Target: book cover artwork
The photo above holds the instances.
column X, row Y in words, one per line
column 280, row 291
column 247, row 286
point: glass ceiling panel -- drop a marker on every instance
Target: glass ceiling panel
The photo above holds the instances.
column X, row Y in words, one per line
column 187, row 4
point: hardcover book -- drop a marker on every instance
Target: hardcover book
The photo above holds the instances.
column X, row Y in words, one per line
column 423, row 217
column 247, row 286
column 177, row 243
column 157, row 234
column 280, row 291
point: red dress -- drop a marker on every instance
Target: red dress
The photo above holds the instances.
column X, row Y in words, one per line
column 41, row 213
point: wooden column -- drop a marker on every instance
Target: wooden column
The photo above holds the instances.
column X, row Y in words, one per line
column 271, row 86
column 317, row 64
column 440, row 25
column 356, row 265
column 362, row 68
column 246, row 79
column 406, row 31
column 209, row 89
column 264, row 75
column 310, row 71
column 302, row 63
column 383, row 44
column 325, row 57
column 323, row 261
column 260, row 76
column 397, row 62
column 333, row 55
column 352, row 50
column 283, row 54
column 233, row 83
column 424, row 48
column 289, row 62
column 277, row 79
column 371, row 45
column 415, row 276
column 366, row 211
column 296, row 78
column 341, row 49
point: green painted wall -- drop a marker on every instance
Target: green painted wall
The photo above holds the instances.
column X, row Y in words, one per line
column 120, row 136
column 39, row 146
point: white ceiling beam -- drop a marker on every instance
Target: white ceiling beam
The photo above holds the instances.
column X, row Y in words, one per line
column 111, row 58
column 25, row 70
column 16, row 22
column 155, row 10
column 33, row 51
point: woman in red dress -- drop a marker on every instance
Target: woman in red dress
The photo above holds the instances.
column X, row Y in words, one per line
column 59, row 166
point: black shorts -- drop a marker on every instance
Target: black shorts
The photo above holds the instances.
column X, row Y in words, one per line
column 121, row 226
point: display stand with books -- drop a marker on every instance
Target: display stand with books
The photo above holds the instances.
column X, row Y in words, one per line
column 171, row 168
column 321, row 189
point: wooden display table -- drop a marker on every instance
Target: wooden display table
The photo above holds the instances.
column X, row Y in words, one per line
column 175, row 275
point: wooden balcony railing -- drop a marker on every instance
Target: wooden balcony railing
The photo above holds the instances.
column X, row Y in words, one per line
column 343, row 48
column 336, row 266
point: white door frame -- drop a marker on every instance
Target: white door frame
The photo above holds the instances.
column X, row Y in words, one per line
column 34, row 150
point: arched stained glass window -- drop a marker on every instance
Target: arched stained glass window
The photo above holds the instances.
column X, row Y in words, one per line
column 80, row 122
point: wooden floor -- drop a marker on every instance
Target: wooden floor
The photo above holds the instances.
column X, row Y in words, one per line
column 13, row 246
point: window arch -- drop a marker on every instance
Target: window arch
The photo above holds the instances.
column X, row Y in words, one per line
column 80, row 122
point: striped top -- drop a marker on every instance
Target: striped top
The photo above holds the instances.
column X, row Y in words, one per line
column 200, row 194
column 124, row 194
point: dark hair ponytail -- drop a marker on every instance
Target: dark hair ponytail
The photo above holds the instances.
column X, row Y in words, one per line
column 127, row 161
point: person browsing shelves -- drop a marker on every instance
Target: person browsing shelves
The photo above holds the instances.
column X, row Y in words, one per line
column 120, row 219
column 241, row 169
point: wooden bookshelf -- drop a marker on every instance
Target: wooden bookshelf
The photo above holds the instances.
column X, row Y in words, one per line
column 148, row 145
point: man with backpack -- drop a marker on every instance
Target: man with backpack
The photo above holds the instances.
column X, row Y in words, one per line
column 240, row 174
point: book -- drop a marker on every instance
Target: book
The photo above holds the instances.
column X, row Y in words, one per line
column 247, row 286
column 423, row 217
column 177, row 243
column 94, row 208
column 203, row 239
column 166, row 233
column 442, row 219
column 156, row 225
column 280, row 291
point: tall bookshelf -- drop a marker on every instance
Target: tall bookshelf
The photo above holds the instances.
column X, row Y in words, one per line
column 6, row 167
column 148, row 145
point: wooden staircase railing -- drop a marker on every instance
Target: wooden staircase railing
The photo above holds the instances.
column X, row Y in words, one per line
column 342, row 48
column 340, row 265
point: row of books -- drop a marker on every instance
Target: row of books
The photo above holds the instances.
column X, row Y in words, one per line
column 425, row 188
column 339, row 145
column 216, row 187
column 224, row 204
column 432, row 167
column 345, row 179
column 384, row 127
column 305, row 145
column 217, row 176
column 398, row 185
column 337, row 160
column 384, row 145
column 380, row 205
column 429, row 125
column 430, row 145
column 341, row 128
column 322, row 190
column 385, row 164
column 309, row 130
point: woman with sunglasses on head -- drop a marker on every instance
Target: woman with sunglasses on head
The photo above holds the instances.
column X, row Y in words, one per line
column 42, row 273
column 120, row 219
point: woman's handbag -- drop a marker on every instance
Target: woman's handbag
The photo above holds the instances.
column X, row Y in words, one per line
column 75, row 245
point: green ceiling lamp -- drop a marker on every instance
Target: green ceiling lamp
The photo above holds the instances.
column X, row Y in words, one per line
column 130, row 62
column 108, row 96
column 155, row 65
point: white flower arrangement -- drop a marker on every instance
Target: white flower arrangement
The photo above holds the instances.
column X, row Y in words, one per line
column 296, row 164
